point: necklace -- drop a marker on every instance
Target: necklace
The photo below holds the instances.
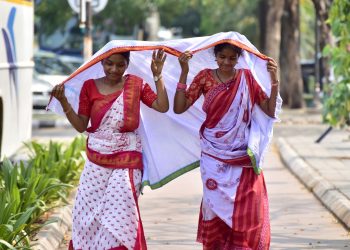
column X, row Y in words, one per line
column 226, row 83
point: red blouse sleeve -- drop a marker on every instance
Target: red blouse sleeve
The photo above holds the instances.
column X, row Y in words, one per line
column 147, row 95
column 260, row 95
column 196, row 87
column 84, row 99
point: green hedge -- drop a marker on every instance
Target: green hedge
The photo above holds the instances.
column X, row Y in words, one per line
column 30, row 189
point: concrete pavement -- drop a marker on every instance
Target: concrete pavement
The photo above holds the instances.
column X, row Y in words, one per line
column 298, row 218
column 323, row 167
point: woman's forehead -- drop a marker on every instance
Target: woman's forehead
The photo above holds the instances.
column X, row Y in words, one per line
column 116, row 58
column 228, row 51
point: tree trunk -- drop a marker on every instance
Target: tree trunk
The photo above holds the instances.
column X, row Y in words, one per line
column 324, row 37
column 270, row 25
column 284, row 86
column 291, row 79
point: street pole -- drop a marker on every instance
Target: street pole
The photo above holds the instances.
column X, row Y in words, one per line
column 86, row 26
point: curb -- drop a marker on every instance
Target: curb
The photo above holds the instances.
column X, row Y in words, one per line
column 51, row 236
column 327, row 193
column 50, row 124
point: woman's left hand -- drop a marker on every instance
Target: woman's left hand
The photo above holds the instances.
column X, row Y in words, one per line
column 272, row 69
column 158, row 60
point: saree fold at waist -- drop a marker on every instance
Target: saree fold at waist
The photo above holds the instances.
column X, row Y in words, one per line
column 114, row 142
column 225, row 132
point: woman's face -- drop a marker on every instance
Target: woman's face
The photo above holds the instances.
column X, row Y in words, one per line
column 114, row 66
column 226, row 59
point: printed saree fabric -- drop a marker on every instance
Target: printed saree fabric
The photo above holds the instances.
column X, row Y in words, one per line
column 164, row 134
column 123, row 149
column 105, row 213
column 234, row 211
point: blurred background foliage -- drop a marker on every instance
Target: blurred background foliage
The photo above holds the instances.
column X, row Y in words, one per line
column 307, row 29
column 124, row 19
column 194, row 17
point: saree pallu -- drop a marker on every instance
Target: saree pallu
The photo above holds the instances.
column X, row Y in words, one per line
column 105, row 213
column 234, row 212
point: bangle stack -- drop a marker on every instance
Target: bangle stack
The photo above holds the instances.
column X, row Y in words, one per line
column 181, row 87
column 275, row 84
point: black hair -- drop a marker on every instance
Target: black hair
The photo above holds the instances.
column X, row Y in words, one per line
column 126, row 55
column 221, row 46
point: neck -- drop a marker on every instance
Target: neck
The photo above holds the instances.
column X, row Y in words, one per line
column 112, row 82
column 224, row 76
column 226, row 73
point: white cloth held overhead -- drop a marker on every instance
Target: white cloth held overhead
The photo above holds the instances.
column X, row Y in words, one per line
column 170, row 141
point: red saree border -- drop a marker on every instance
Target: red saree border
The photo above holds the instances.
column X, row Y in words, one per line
column 131, row 98
column 250, row 219
column 165, row 48
column 121, row 50
column 125, row 159
column 238, row 161
column 140, row 243
column 236, row 43
column 102, row 107
column 221, row 102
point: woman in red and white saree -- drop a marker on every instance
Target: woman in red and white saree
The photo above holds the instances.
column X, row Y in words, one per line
column 106, row 213
column 234, row 211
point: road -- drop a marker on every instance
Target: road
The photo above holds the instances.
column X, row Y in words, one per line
column 298, row 219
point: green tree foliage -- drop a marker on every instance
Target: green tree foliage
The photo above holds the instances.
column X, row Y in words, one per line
column 206, row 17
column 119, row 16
column 51, row 15
column 307, row 29
column 195, row 17
column 337, row 106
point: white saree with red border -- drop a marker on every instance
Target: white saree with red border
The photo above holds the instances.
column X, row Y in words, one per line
column 234, row 211
column 171, row 143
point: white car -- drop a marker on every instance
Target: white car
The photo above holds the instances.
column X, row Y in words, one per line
column 73, row 62
column 50, row 68
column 41, row 92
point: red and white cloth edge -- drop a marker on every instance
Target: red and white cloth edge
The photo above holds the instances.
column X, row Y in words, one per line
column 171, row 141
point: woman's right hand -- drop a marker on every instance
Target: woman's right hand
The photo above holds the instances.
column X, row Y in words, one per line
column 183, row 60
column 58, row 93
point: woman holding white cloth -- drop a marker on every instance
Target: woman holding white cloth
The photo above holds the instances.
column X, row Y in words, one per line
column 234, row 211
column 106, row 213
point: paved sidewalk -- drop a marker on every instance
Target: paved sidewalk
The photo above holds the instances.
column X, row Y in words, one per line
column 298, row 219
column 323, row 167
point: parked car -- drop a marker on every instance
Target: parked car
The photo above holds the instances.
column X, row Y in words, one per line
column 54, row 68
column 73, row 62
column 50, row 69
column 41, row 92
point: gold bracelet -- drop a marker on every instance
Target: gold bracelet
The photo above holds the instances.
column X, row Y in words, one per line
column 276, row 83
